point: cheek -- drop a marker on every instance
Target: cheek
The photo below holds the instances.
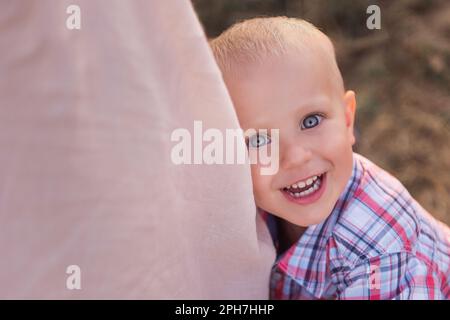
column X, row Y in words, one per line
column 341, row 156
column 336, row 141
column 340, row 153
column 261, row 184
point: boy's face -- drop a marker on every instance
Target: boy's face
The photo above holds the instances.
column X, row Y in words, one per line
column 298, row 96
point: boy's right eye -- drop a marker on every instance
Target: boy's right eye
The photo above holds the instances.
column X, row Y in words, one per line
column 258, row 140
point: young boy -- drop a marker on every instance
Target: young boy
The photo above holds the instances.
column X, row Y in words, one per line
column 345, row 229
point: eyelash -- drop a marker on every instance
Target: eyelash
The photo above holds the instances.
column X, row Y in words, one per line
column 320, row 116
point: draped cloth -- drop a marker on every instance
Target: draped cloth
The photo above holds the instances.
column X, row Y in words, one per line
column 86, row 175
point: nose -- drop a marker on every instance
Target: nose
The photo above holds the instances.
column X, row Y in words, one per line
column 295, row 155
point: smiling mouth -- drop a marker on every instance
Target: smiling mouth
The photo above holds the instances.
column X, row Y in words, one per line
column 306, row 188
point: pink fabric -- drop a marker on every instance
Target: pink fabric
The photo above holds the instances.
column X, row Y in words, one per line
column 85, row 171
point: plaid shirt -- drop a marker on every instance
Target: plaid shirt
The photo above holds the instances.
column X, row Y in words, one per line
column 378, row 243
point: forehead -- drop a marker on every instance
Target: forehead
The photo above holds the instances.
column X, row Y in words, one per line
column 282, row 86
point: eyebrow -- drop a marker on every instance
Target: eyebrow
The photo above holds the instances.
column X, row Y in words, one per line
column 309, row 106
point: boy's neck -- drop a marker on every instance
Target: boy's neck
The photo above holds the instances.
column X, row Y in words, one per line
column 288, row 234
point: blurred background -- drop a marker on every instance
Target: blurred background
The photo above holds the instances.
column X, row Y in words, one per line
column 401, row 76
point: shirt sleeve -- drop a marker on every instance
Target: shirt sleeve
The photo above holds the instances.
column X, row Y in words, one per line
column 399, row 276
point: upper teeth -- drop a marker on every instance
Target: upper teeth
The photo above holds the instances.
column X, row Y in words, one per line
column 304, row 183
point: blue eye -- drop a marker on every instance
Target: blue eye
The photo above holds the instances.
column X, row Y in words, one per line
column 311, row 121
column 258, row 140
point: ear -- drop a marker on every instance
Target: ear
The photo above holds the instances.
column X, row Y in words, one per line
column 350, row 108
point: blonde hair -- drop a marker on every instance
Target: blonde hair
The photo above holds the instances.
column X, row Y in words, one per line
column 255, row 39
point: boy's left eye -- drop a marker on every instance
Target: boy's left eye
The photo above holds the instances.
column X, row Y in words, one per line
column 311, row 121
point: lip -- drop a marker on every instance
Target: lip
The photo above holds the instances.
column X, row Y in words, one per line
column 313, row 197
